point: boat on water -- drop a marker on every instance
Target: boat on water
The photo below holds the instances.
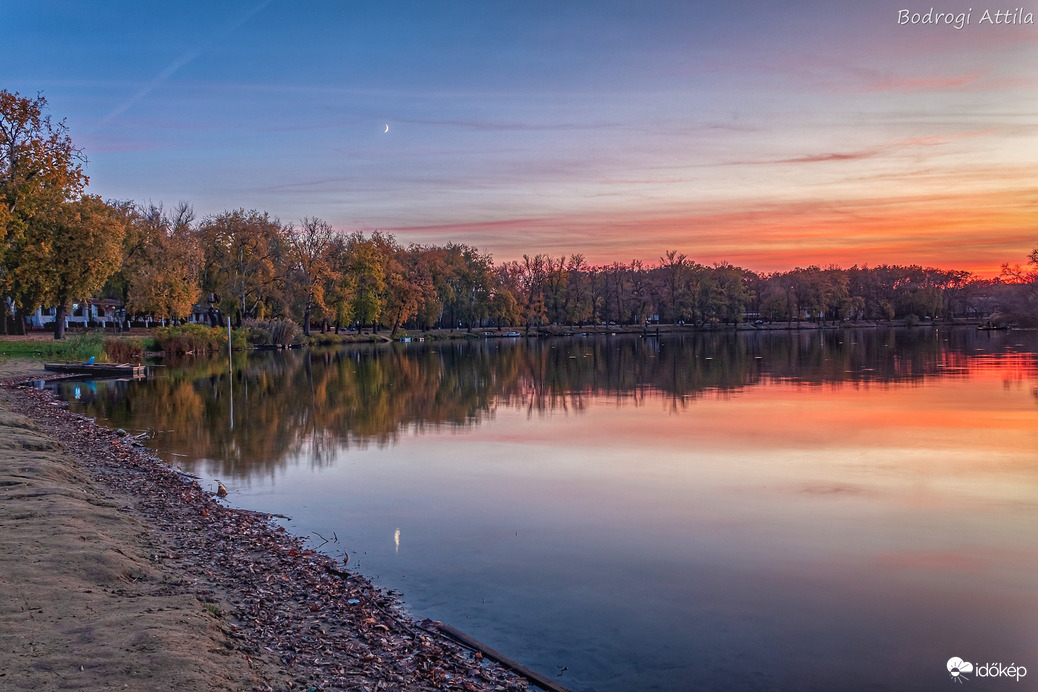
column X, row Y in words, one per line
column 133, row 370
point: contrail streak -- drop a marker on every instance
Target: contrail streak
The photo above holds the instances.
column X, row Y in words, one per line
column 184, row 59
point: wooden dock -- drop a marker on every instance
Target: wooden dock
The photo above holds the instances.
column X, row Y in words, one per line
column 131, row 370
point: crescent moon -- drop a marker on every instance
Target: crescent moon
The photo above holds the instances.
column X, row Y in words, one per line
column 387, row 128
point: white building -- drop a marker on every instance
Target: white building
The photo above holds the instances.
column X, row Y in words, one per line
column 98, row 312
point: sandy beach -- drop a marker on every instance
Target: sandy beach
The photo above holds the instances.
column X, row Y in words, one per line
column 119, row 572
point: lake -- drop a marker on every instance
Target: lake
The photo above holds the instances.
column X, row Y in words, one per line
column 812, row 510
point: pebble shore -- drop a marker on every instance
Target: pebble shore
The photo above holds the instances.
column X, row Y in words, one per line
column 297, row 617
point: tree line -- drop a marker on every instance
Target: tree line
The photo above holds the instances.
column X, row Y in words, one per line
column 59, row 244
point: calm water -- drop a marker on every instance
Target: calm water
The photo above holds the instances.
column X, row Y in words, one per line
column 802, row 511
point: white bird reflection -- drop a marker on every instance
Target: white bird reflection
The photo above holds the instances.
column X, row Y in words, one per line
column 396, row 540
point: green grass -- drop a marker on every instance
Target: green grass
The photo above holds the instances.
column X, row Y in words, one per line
column 26, row 349
column 80, row 346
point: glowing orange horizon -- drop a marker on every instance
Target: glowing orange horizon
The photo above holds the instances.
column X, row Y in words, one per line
column 975, row 233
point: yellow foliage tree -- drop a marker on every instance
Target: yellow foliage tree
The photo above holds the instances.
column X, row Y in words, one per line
column 163, row 263
column 69, row 253
column 40, row 169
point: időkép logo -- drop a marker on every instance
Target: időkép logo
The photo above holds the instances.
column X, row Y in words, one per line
column 958, row 669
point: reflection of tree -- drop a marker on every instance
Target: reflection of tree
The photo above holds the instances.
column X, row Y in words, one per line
column 311, row 404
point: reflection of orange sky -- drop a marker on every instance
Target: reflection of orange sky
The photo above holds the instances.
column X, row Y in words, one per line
column 926, row 479
column 848, row 439
column 940, row 416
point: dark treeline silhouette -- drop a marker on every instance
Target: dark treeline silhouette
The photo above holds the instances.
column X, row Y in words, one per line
column 302, row 406
column 58, row 245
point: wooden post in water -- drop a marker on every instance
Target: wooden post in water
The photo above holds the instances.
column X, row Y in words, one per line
column 230, row 370
column 534, row 677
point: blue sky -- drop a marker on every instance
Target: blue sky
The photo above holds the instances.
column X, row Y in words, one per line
column 767, row 134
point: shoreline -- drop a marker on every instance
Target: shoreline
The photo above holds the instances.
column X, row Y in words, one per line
column 205, row 596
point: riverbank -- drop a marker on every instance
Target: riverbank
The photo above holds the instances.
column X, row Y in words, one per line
column 37, row 343
column 122, row 573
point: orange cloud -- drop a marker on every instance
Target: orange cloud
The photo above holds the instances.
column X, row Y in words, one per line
column 974, row 232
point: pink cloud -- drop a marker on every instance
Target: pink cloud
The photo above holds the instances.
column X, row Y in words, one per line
column 823, row 158
column 933, row 561
column 887, row 82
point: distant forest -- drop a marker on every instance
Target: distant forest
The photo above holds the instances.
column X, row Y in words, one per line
column 59, row 245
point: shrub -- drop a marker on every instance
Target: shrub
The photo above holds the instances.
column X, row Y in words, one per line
column 276, row 332
column 329, row 339
column 195, row 338
column 81, row 346
column 124, row 350
column 256, row 332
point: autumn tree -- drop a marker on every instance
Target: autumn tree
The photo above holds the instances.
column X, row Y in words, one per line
column 525, row 281
column 774, row 298
column 469, row 282
column 556, row 278
column 1020, row 303
column 875, row 287
column 162, row 261
column 69, row 254
column 618, row 292
column 673, row 270
column 724, row 294
column 408, row 283
column 433, row 262
column 596, row 284
column 40, row 169
column 579, row 296
column 312, row 265
column 504, row 310
column 342, row 284
column 39, row 165
column 366, row 262
column 241, row 250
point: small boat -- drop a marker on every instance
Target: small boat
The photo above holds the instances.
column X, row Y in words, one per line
column 512, row 334
column 133, row 370
column 405, row 339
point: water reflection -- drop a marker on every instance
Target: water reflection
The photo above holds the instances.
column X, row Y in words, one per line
column 322, row 402
column 809, row 511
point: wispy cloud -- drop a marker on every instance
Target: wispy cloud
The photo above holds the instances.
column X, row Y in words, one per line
column 492, row 126
column 928, row 230
column 179, row 63
column 870, row 153
column 823, row 158
column 877, row 82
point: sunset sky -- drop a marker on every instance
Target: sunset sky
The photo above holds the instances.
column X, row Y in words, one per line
column 767, row 134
